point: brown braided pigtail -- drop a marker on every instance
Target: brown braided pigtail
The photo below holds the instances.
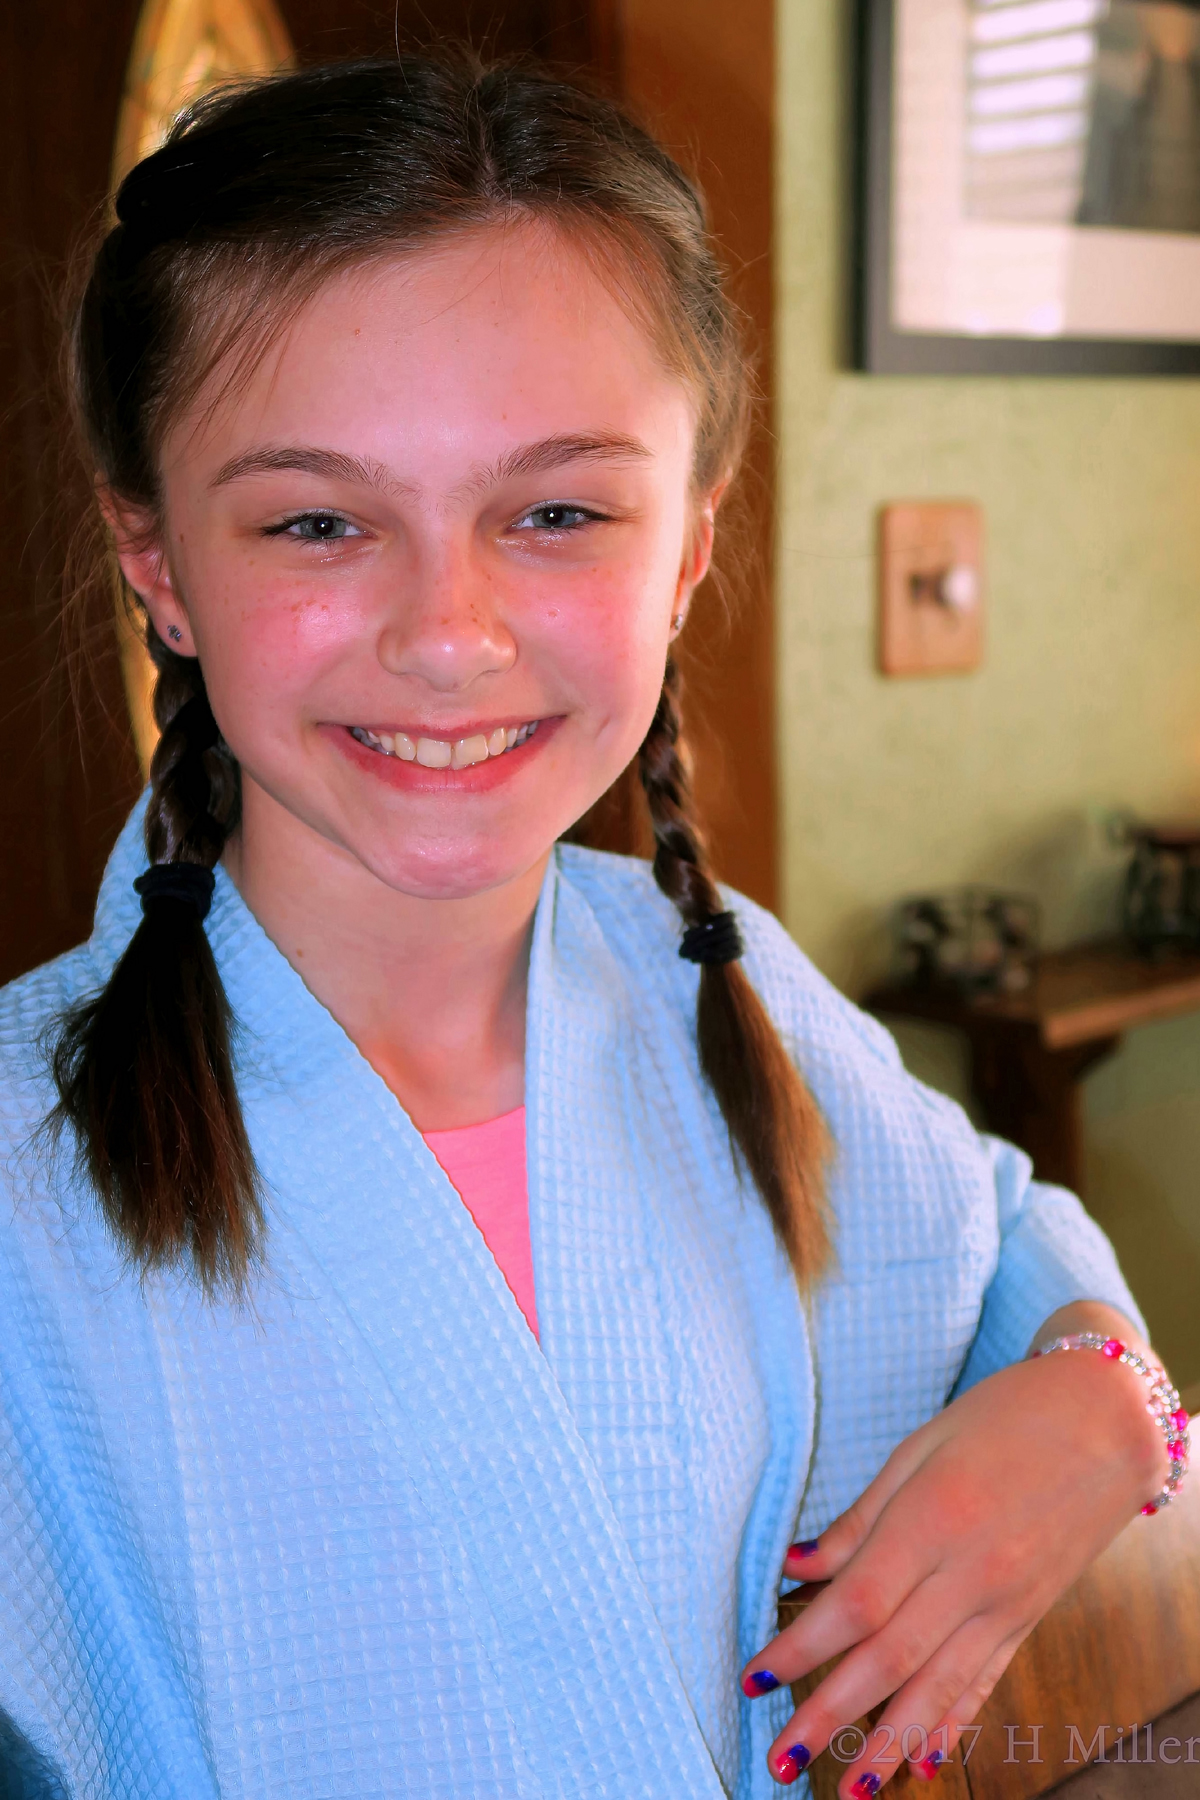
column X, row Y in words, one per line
column 774, row 1126
column 144, row 1070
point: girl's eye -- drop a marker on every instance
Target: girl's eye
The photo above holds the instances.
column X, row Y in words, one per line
column 555, row 515
column 315, row 528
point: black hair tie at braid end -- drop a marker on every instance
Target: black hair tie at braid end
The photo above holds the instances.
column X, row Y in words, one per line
column 715, row 940
column 186, row 882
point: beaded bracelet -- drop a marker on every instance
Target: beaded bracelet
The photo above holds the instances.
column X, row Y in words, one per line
column 1164, row 1404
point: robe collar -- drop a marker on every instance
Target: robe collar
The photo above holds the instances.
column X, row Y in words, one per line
column 366, row 1227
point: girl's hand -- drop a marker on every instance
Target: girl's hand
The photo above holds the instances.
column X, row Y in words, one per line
column 974, row 1526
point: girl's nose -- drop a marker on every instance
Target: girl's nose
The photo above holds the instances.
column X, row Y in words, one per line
column 446, row 629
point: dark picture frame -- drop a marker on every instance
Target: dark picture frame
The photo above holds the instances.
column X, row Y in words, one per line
column 881, row 347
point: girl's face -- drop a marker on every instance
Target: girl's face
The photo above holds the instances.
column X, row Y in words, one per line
column 429, row 553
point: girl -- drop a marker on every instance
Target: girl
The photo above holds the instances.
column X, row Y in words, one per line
column 425, row 1332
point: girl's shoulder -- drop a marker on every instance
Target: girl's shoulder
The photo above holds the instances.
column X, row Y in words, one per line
column 643, row 929
column 30, row 1008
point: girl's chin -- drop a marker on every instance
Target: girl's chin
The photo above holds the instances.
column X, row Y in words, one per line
column 464, row 877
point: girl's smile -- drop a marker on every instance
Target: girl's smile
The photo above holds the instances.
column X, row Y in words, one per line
column 429, row 548
column 474, row 758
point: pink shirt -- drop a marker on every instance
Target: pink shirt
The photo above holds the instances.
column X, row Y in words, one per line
column 486, row 1163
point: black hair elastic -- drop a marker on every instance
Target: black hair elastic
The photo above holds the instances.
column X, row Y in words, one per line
column 715, row 940
column 187, row 882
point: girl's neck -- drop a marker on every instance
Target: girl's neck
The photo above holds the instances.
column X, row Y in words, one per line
column 432, row 992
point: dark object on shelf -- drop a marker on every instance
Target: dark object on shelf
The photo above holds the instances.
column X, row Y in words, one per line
column 1161, row 900
column 971, row 938
column 1030, row 1051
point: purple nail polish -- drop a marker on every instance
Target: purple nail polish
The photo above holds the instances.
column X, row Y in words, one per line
column 867, row 1786
column 806, row 1547
column 929, row 1767
column 795, row 1758
column 761, row 1682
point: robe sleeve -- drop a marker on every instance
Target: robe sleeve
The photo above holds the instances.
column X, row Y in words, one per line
column 1047, row 1250
column 1051, row 1253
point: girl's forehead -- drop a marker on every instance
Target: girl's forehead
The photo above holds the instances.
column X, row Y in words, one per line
column 505, row 334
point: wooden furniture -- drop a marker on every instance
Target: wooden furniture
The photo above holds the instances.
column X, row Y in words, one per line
column 1029, row 1051
column 1120, row 1648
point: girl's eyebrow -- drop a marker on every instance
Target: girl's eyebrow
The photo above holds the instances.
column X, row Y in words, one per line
column 524, row 459
column 335, row 465
column 549, row 453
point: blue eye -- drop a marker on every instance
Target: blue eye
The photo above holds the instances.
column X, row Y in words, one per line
column 315, row 528
column 556, row 515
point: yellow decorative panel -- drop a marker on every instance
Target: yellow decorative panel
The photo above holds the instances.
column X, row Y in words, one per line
column 182, row 49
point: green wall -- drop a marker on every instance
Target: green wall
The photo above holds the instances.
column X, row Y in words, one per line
column 1089, row 694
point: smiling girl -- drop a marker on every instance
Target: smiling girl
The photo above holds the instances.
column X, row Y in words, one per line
column 445, row 1268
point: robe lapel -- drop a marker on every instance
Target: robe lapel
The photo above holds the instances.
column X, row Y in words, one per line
column 367, row 1223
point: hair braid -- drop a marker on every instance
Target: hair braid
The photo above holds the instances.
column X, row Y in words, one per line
column 774, row 1126
column 172, row 1166
column 261, row 194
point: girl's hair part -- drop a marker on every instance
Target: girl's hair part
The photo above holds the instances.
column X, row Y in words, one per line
column 260, row 194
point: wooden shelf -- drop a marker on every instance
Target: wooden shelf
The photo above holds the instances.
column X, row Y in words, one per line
column 1030, row 1051
column 1078, row 995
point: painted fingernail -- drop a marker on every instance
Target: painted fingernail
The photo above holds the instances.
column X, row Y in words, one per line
column 931, row 1764
column 761, row 1682
column 806, row 1547
column 867, row 1786
column 797, row 1757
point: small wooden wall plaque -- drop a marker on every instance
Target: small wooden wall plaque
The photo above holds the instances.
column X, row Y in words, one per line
column 930, row 587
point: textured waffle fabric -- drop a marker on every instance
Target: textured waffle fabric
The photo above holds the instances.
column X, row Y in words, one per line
column 486, row 1163
column 365, row 1538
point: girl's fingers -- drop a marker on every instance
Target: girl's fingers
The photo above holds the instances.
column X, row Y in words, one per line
column 925, row 1654
column 844, row 1614
column 817, row 1559
column 881, row 1567
column 965, row 1709
column 927, row 1715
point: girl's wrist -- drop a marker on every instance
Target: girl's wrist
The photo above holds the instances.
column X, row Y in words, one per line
column 1157, row 1421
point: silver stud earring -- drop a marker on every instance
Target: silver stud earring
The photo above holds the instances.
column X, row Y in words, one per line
column 677, row 622
column 174, row 633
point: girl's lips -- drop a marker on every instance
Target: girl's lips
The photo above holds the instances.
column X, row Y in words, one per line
column 415, row 778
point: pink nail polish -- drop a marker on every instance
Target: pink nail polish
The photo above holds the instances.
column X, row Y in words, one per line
column 806, row 1547
column 931, row 1765
column 867, row 1786
column 761, row 1682
column 795, row 1758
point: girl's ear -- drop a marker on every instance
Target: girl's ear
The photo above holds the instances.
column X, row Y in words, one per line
column 137, row 540
column 697, row 552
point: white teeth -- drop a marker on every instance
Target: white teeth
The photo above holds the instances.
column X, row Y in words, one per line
column 436, row 753
column 470, row 750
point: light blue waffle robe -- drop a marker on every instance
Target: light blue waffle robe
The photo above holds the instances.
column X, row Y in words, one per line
column 367, row 1539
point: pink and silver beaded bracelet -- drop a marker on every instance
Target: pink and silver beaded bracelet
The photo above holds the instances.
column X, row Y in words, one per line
column 1164, row 1404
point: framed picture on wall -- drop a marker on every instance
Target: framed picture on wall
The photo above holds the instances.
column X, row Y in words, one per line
column 1030, row 187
